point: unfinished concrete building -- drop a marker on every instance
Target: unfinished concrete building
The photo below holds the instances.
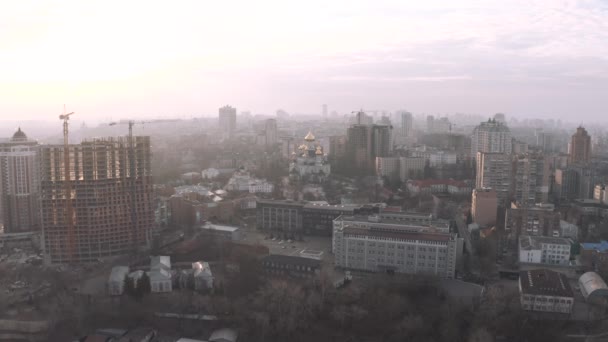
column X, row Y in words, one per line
column 111, row 199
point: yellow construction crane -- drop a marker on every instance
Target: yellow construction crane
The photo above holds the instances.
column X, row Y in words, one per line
column 68, row 184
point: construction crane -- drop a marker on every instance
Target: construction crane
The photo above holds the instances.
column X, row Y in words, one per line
column 68, row 184
column 132, row 172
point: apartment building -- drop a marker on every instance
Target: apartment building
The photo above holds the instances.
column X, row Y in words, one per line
column 494, row 171
column 536, row 220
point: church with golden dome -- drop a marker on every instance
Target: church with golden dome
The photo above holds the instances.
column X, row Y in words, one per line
column 309, row 163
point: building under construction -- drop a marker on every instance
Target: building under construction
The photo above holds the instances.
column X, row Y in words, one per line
column 110, row 189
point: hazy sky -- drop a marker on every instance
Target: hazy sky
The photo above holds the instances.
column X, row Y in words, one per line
column 119, row 59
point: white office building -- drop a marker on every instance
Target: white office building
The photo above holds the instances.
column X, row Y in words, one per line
column 544, row 250
column 388, row 244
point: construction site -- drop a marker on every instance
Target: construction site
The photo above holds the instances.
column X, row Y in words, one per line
column 100, row 205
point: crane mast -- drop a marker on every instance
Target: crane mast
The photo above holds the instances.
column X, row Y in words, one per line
column 68, row 184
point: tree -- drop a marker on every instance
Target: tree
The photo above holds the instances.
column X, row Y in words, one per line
column 143, row 285
column 129, row 287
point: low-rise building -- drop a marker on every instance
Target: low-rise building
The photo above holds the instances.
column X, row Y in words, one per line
column 436, row 186
column 224, row 335
column 568, row 230
column 190, row 209
column 292, row 266
column 592, row 286
column 203, row 277
column 411, row 168
column 544, row 250
column 138, row 335
column 260, row 186
column 227, row 233
column 210, row 173
column 302, row 217
column 116, row 282
column 28, row 241
column 160, row 274
column 594, row 255
column 544, row 290
column 382, row 244
column 591, row 208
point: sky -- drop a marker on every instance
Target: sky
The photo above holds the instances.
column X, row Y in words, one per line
column 109, row 60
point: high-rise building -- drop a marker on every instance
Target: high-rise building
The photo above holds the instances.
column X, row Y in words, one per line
column 382, row 145
column 324, row 111
column 494, row 171
column 491, row 136
column 576, row 181
column 537, row 220
column 227, row 121
column 270, row 129
column 337, row 147
column 430, row 124
column 531, row 179
column 407, row 124
column 500, row 117
column 362, row 119
column 580, row 147
column 366, row 142
column 19, row 181
column 484, row 207
column 359, row 145
column 110, row 194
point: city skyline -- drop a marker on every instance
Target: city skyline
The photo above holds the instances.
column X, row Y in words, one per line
column 526, row 59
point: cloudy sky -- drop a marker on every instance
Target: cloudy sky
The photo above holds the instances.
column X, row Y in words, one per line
column 119, row 59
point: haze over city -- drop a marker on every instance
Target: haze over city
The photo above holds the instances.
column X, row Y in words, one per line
column 112, row 60
column 328, row 171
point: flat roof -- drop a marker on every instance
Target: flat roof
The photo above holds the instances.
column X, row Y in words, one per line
column 289, row 259
column 545, row 283
column 405, row 234
column 398, row 219
column 342, row 207
column 601, row 246
column 220, row 227
column 533, row 242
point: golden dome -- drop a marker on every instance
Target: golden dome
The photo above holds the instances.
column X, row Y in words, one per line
column 302, row 147
column 309, row 137
column 319, row 151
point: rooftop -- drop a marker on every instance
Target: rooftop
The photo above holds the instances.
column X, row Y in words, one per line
column 592, row 284
column 527, row 242
column 545, row 283
column 398, row 234
column 591, row 203
column 405, row 220
column 430, row 182
column 220, row 228
column 601, row 246
column 293, row 260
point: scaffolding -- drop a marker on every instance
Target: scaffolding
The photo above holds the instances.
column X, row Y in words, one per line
column 108, row 189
